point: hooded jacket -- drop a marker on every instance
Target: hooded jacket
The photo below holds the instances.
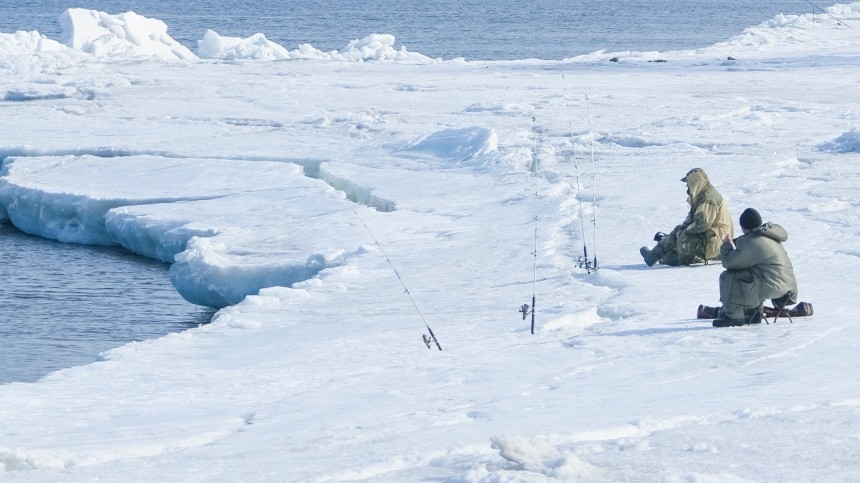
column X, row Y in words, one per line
column 757, row 268
column 708, row 222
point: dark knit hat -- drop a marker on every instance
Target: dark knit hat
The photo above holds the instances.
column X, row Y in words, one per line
column 750, row 219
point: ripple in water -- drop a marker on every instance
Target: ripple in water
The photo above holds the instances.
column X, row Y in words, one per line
column 62, row 305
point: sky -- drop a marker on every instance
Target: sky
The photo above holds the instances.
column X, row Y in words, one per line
column 337, row 205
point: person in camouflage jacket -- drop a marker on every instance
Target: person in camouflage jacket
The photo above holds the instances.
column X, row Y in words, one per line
column 698, row 238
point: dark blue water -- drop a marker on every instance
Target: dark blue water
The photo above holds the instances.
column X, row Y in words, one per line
column 474, row 29
column 61, row 305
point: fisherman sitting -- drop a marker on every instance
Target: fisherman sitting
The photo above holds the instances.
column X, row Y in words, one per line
column 757, row 268
column 698, row 237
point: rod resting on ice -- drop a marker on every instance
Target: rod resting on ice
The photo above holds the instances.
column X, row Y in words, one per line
column 427, row 339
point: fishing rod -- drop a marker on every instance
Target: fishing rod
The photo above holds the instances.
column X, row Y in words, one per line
column 593, row 265
column 583, row 261
column 524, row 309
column 428, row 339
column 837, row 19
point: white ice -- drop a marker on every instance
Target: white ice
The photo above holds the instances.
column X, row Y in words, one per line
column 336, row 204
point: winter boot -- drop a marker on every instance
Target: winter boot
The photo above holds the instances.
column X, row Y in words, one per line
column 726, row 321
column 705, row 312
column 802, row 309
column 651, row 256
column 753, row 316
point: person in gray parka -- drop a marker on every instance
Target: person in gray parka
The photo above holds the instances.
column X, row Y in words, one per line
column 757, row 268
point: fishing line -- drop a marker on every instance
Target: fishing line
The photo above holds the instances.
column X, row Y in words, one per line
column 837, row 19
column 427, row 339
column 524, row 309
column 575, row 169
column 593, row 189
column 583, row 261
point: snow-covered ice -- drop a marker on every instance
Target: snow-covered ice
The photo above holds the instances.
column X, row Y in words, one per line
column 335, row 203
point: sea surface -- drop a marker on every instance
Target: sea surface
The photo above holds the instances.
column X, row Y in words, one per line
column 473, row 29
column 61, row 305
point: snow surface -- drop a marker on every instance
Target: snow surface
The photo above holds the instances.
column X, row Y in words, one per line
column 335, row 204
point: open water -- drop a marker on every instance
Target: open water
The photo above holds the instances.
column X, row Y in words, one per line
column 474, row 29
column 62, row 305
